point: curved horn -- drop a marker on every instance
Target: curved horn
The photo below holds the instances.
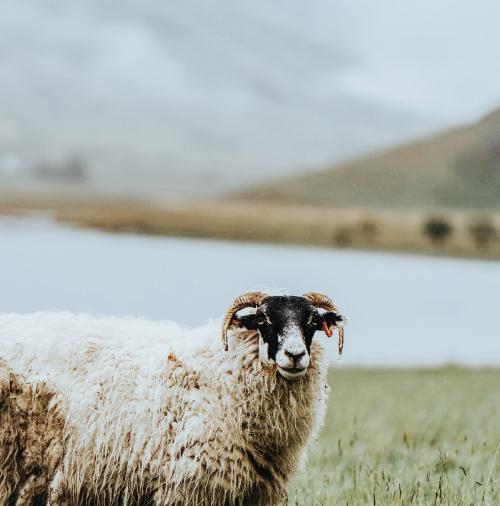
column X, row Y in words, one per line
column 249, row 299
column 324, row 302
column 320, row 300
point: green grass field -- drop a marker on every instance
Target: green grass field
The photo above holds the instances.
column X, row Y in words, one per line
column 401, row 437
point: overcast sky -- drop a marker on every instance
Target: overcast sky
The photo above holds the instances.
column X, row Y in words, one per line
column 227, row 91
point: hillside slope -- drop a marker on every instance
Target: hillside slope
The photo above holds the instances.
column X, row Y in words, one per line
column 459, row 168
column 174, row 100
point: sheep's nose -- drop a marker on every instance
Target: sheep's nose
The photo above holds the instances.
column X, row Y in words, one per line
column 295, row 356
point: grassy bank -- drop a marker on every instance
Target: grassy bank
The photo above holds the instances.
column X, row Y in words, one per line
column 455, row 233
column 401, row 437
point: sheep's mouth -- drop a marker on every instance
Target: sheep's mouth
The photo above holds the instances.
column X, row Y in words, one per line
column 292, row 373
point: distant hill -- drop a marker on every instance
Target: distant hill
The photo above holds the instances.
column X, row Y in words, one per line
column 459, row 168
column 187, row 99
column 166, row 101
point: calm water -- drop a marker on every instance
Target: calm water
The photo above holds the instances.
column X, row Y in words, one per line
column 403, row 309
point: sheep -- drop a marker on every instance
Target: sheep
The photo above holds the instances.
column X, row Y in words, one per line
column 156, row 414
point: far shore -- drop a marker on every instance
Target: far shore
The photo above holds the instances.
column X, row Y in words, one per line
column 371, row 229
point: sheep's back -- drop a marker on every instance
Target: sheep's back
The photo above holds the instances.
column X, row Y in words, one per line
column 50, row 345
column 124, row 383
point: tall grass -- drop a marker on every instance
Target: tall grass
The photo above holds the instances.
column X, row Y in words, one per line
column 395, row 437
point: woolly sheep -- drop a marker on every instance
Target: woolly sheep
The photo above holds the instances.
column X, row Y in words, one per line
column 141, row 412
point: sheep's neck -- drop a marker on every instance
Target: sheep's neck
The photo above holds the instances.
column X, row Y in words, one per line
column 276, row 416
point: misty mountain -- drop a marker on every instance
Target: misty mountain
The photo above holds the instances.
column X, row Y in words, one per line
column 194, row 97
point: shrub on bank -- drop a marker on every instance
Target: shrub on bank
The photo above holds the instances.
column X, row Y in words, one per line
column 483, row 232
column 438, row 229
column 368, row 229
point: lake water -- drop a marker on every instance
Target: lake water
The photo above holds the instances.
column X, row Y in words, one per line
column 403, row 309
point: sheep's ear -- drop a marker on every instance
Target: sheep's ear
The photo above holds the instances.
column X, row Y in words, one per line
column 333, row 320
column 248, row 322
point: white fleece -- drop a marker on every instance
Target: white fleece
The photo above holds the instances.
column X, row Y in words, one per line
column 159, row 412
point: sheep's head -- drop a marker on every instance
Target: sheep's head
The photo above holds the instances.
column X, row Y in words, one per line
column 285, row 326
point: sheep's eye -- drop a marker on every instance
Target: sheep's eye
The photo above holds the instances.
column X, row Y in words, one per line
column 261, row 321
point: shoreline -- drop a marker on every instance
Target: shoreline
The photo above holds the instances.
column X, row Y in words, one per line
column 358, row 229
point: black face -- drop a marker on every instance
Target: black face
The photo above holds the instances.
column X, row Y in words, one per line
column 284, row 320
